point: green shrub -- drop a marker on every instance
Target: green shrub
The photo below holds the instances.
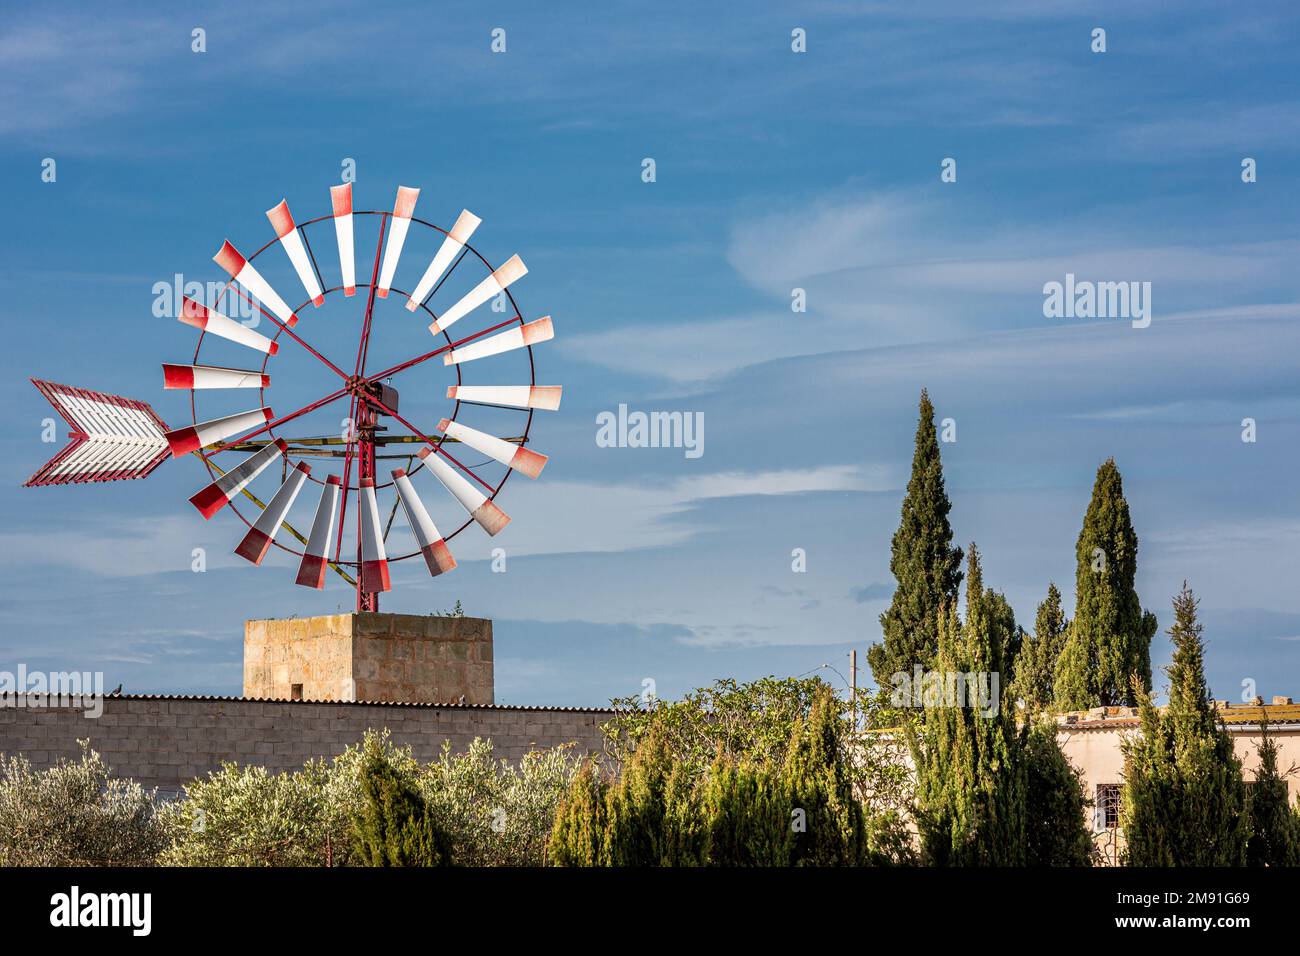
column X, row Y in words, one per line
column 1056, row 828
column 746, row 809
column 245, row 816
column 830, row 829
column 578, row 835
column 497, row 813
column 394, row 826
column 1274, row 827
column 75, row 814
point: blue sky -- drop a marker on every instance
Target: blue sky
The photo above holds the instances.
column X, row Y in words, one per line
column 775, row 170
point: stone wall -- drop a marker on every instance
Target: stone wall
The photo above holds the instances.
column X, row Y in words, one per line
column 370, row 656
column 165, row 741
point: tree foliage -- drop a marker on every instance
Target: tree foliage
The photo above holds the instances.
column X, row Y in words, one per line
column 1036, row 666
column 819, row 784
column 578, row 834
column 1056, row 830
column 923, row 562
column 74, row 814
column 1110, row 639
column 394, row 826
column 1183, row 799
column 1274, row 827
column 971, row 774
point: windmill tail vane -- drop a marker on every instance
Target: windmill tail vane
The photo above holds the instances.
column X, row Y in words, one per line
column 113, row 438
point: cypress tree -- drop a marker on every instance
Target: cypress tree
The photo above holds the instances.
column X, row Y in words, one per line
column 394, row 826
column 578, row 834
column 1036, row 665
column 1110, row 639
column 1183, row 799
column 1274, row 828
column 923, row 562
column 747, row 816
column 828, row 824
column 635, row 806
column 971, row 781
column 685, row 830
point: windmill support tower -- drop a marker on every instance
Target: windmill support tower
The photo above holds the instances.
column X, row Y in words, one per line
column 114, row 438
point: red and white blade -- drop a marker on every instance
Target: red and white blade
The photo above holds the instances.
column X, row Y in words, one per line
column 258, row 540
column 437, row 556
column 545, row 397
column 517, row 338
column 374, row 560
column 190, row 438
column 341, row 199
column 211, row 376
column 214, row 323
column 246, row 274
column 398, row 226
column 291, row 239
column 215, row 496
column 489, row 517
column 517, row 457
column 311, row 570
column 454, row 242
column 507, row 273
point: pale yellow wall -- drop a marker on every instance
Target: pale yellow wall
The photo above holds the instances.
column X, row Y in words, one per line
column 1097, row 753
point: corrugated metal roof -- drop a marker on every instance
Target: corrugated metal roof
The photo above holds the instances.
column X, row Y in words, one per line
column 347, row 703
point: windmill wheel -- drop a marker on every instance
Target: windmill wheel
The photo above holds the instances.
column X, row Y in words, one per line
column 349, row 344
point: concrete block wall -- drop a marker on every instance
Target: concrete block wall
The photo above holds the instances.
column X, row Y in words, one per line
column 166, row 741
column 370, row 657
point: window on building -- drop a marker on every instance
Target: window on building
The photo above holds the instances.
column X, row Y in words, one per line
column 1107, row 805
column 295, row 691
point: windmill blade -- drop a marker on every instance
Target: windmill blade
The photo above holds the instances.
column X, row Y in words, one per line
column 517, row 457
column 259, row 537
column 403, row 210
column 214, row 323
column 111, row 438
column 193, row 437
column 516, row 338
column 283, row 224
column 545, row 397
column 489, row 517
column 246, row 274
column 437, row 556
column 215, row 496
column 311, row 570
column 508, row 272
column 374, row 560
column 454, row 242
column 341, row 198
column 193, row 377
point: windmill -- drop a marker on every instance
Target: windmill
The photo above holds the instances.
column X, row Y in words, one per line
column 114, row 438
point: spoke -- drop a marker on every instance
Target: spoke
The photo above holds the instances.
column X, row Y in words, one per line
column 432, row 443
column 293, row 335
column 438, row 351
column 319, row 403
